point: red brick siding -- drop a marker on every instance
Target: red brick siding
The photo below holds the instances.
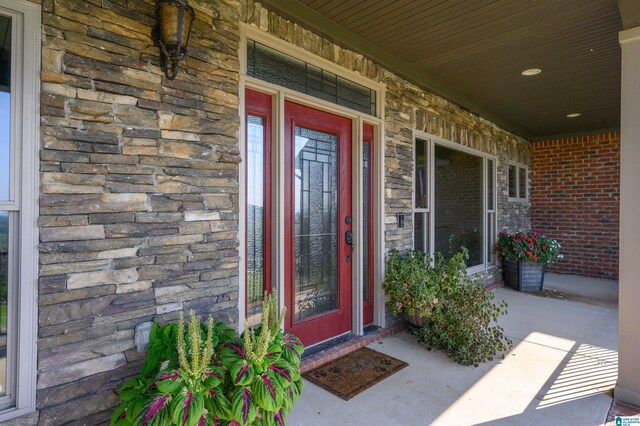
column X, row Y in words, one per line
column 575, row 198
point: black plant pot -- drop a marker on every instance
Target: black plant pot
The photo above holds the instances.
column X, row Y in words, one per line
column 522, row 275
column 416, row 319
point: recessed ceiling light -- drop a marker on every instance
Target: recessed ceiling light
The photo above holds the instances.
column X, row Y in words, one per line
column 574, row 115
column 531, row 71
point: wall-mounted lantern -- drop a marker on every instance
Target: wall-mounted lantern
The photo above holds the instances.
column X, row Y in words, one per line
column 172, row 33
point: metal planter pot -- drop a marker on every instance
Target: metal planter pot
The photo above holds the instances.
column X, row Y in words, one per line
column 416, row 320
column 523, row 275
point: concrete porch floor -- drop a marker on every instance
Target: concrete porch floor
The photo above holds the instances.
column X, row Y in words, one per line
column 561, row 371
column 581, row 289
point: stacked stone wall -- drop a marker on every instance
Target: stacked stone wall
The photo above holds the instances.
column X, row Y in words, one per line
column 139, row 192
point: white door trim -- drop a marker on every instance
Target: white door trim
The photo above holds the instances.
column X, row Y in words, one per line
column 280, row 95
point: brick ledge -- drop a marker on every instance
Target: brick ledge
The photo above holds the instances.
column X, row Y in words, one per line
column 347, row 347
column 622, row 409
column 494, row 286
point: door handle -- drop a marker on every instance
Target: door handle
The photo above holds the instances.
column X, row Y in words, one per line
column 348, row 238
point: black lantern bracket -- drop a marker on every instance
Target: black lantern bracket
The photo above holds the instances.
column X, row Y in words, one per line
column 172, row 33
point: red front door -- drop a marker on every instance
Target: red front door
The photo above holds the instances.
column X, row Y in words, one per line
column 317, row 223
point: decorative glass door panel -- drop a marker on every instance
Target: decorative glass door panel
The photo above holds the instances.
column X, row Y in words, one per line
column 317, row 223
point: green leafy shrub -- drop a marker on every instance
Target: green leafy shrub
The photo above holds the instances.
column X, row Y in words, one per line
column 411, row 283
column 211, row 376
column 460, row 316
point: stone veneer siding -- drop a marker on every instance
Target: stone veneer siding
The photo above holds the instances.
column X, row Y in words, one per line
column 575, row 196
column 139, row 183
column 139, row 192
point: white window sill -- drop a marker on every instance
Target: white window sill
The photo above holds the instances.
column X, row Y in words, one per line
column 12, row 413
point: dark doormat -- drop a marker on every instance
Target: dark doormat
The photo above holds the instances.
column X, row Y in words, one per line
column 353, row 373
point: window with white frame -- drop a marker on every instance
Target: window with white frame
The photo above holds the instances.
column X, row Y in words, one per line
column 518, row 182
column 421, row 196
column 19, row 53
column 454, row 201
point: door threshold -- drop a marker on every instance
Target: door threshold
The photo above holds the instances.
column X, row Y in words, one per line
column 368, row 329
column 338, row 340
column 327, row 344
column 320, row 354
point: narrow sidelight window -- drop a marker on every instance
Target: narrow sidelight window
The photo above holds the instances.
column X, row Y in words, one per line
column 422, row 181
column 491, row 210
column 258, row 233
column 367, row 196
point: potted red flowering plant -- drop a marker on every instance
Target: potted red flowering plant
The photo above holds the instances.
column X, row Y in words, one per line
column 525, row 256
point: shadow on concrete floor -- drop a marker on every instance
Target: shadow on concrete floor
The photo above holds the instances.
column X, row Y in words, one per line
column 561, row 371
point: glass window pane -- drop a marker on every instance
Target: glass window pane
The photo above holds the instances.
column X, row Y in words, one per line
column 5, row 106
column 4, row 287
column 491, row 236
column 421, row 170
column 459, row 204
column 490, row 185
column 513, row 193
column 421, row 232
column 316, row 222
column 354, row 96
column 522, row 182
column 321, row 84
column 372, row 107
column 366, row 210
column 279, row 68
column 255, row 217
